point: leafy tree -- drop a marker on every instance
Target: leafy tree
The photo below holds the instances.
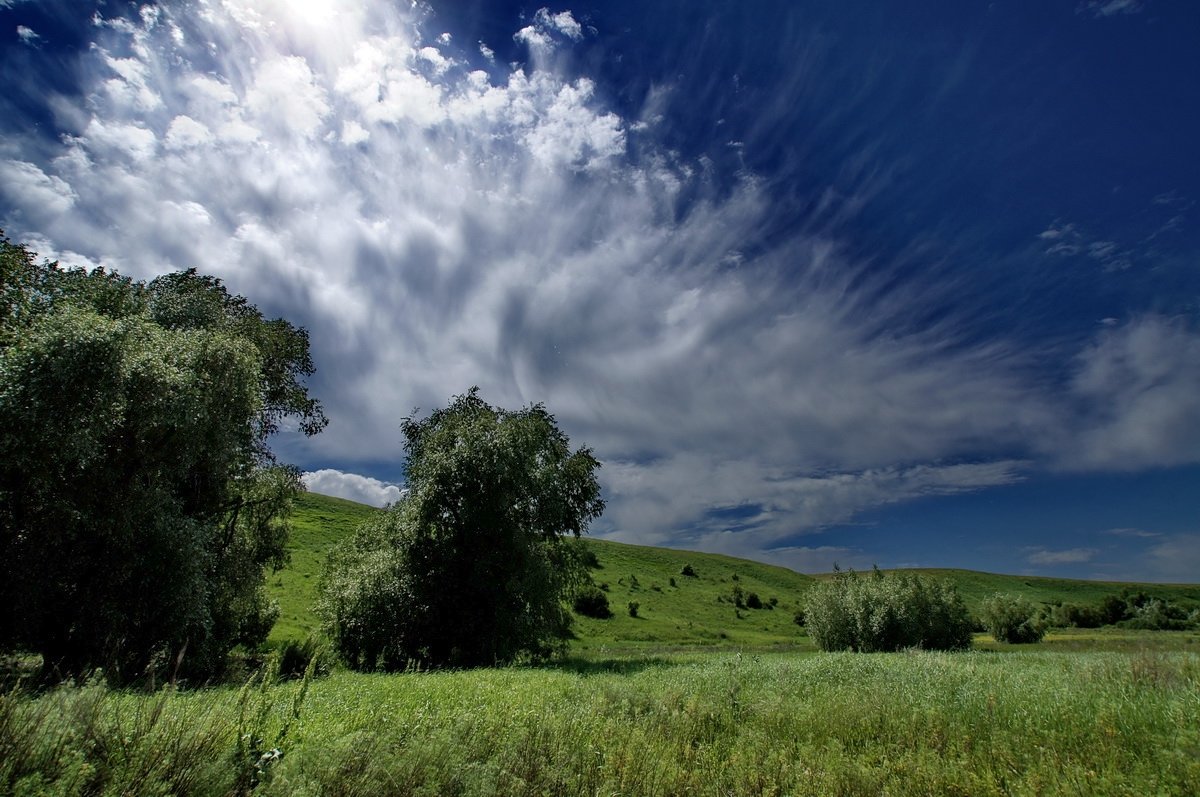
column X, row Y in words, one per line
column 472, row 567
column 884, row 613
column 139, row 501
column 1012, row 619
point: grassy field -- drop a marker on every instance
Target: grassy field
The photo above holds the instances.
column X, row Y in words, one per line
column 694, row 696
column 696, row 613
column 1033, row 722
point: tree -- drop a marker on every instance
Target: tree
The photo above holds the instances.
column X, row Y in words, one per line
column 139, row 500
column 1012, row 619
column 473, row 566
column 885, row 613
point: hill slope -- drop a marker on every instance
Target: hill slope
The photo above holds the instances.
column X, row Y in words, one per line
column 695, row 611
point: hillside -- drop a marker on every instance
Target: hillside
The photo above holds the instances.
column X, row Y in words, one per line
column 318, row 523
column 695, row 611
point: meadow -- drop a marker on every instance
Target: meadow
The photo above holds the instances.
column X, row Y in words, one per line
column 978, row 723
column 695, row 695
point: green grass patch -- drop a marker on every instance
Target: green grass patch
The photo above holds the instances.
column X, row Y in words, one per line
column 318, row 523
column 978, row 723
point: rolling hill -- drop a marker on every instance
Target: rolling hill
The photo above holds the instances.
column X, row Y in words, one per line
column 674, row 610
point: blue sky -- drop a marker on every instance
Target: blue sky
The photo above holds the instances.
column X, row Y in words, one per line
column 869, row 283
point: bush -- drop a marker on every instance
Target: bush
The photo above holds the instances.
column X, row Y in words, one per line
column 753, row 601
column 1012, row 619
column 295, row 657
column 1074, row 615
column 592, row 602
column 689, row 571
column 1159, row 615
column 885, row 613
column 633, row 608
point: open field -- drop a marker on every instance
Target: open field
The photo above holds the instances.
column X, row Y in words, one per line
column 977, row 723
column 696, row 613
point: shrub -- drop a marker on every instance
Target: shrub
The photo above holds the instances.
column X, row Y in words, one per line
column 1012, row 619
column 753, row 601
column 885, row 613
column 295, row 657
column 688, row 570
column 592, row 602
column 1159, row 615
column 633, row 608
column 1074, row 615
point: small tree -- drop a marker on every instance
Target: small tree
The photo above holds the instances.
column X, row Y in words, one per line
column 591, row 601
column 886, row 612
column 1012, row 619
column 473, row 566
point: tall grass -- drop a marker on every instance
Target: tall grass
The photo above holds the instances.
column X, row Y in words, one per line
column 841, row 724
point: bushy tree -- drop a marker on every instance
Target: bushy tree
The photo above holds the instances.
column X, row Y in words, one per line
column 473, row 566
column 139, row 502
column 1012, row 619
column 885, row 613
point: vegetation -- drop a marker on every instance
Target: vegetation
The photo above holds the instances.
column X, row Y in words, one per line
column 139, row 501
column 886, row 613
column 472, row 567
column 1012, row 619
column 899, row 724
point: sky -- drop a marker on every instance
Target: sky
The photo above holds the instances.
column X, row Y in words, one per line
column 818, row 282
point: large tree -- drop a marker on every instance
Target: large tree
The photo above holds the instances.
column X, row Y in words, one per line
column 139, row 501
column 472, row 566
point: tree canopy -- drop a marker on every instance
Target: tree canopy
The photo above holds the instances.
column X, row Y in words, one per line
column 473, row 565
column 139, row 500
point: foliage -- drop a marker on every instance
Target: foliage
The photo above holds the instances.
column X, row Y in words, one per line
column 471, row 568
column 886, row 612
column 1012, row 619
column 688, row 570
column 1075, row 615
column 139, row 501
column 633, row 608
column 592, row 602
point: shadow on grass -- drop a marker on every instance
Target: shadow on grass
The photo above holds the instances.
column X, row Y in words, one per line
column 609, row 666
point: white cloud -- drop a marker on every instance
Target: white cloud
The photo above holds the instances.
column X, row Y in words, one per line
column 1108, row 8
column 1137, row 387
column 186, row 132
column 1042, row 556
column 28, row 35
column 563, row 22
column 40, row 196
column 1176, row 559
column 1132, row 532
column 438, row 228
column 352, row 487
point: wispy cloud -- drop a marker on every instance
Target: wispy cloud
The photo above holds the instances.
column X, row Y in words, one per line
column 437, row 220
column 1042, row 556
column 1132, row 532
column 28, row 35
column 1109, row 8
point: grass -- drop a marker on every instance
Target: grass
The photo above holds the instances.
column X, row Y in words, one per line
column 686, row 616
column 318, row 523
column 978, row 723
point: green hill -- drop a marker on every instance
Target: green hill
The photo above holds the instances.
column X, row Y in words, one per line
column 694, row 611
column 318, row 523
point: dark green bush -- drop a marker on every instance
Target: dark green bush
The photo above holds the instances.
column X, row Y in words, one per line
column 294, row 658
column 1075, row 615
column 1012, row 619
column 753, row 601
column 885, row 613
column 592, row 602
column 688, row 570
column 633, row 608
